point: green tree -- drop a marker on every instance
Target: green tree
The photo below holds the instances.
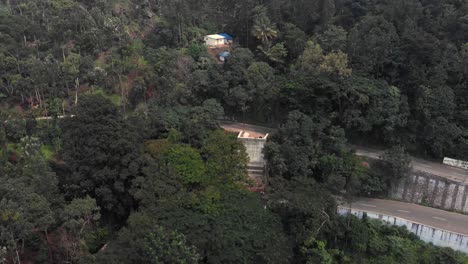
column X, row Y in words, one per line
column 342, row 173
column 100, row 153
column 382, row 109
column 239, row 230
column 157, row 183
column 315, row 252
column 276, row 54
column 123, row 61
column 334, row 38
column 264, row 30
column 169, row 247
column 294, row 40
column 373, row 43
column 294, row 149
column 193, row 122
column 129, row 246
column 226, row 159
column 336, row 63
column 71, row 71
column 263, row 85
column 441, row 136
column 187, row 162
column 23, row 211
column 36, row 173
column 303, row 216
column 78, row 219
column 310, row 60
column 398, row 162
column 3, row 255
column 195, row 50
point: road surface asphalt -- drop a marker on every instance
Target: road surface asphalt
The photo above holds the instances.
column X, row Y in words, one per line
column 439, row 169
column 440, row 219
column 453, row 222
column 233, row 126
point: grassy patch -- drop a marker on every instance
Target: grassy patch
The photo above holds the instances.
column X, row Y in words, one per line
column 47, row 152
column 13, row 147
column 114, row 98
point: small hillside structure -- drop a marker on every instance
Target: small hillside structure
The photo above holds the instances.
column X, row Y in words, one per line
column 254, row 144
column 224, row 55
column 218, row 39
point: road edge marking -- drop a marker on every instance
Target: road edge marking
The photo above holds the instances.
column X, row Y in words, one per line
column 403, row 211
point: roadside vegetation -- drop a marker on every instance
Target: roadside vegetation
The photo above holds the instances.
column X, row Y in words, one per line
column 110, row 150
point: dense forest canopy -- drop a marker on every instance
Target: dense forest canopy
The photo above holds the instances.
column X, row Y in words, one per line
column 110, row 149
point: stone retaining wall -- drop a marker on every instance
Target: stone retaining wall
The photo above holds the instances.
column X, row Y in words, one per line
column 428, row 189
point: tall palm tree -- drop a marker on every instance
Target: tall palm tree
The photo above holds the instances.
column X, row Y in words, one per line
column 264, row 30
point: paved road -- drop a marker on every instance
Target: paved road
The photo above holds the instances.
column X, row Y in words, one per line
column 453, row 222
column 428, row 216
column 233, row 126
column 446, row 171
column 435, row 168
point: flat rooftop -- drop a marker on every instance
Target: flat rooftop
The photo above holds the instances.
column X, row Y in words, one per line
column 252, row 134
column 254, row 131
column 215, row 36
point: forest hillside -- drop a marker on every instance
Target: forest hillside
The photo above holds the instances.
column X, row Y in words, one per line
column 111, row 151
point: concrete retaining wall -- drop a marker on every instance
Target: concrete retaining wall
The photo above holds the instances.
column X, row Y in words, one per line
column 427, row 234
column 428, row 189
column 256, row 166
column 254, row 147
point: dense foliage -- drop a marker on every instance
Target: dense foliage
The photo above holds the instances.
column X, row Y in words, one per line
column 110, row 149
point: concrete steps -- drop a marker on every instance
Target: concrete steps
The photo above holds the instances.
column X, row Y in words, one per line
column 256, row 172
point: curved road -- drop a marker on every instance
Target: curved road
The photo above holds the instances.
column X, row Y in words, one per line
column 440, row 219
column 439, row 169
column 237, row 127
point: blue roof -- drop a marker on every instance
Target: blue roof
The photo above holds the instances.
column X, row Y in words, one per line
column 224, row 54
column 226, row 36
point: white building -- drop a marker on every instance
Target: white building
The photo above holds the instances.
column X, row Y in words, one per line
column 218, row 39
